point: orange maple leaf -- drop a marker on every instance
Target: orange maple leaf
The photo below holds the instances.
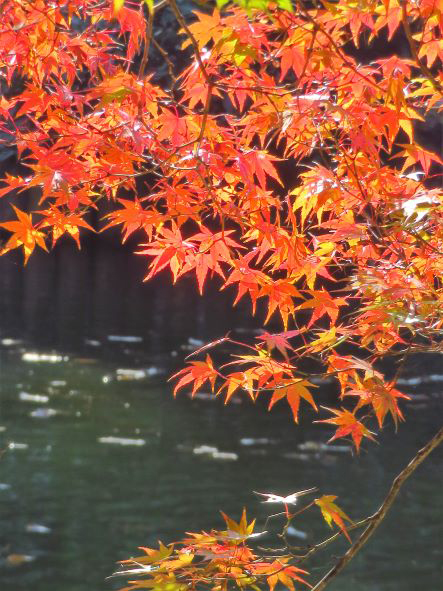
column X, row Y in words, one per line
column 383, row 398
column 332, row 513
column 293, row 391
column 24, row 234
column 347, row 424
column 323, row 303
column 197, row 372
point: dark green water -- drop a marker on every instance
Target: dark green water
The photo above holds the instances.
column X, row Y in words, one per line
column 99, row 500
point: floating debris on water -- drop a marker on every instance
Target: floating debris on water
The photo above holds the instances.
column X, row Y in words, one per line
column 27, row 397
column 34, row 357
column 37, row 528
column 115, row 338
column 44, row 413
column 224, row 455
column 19, row 559
column 15, row 445
column 293, row 455
column 58, row 383
column 417, row 380
column 130, row 374
column 247, row 441
column 137, row 374
column 2, row 429
column 214, row 453
column 317, row 446
column 92, row 343
column 204, row 449
column 4, row 486
column 122, row 441
column 11, row 342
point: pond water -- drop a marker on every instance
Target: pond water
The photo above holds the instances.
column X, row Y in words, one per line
column 98, row 459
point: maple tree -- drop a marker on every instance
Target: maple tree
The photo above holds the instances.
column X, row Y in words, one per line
column 344, row 249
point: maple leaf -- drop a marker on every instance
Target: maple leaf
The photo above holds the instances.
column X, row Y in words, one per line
column 260, row 163
column 279, row 341
column 61, row 223
column 133, row 217
column 24, row 234
column 12, row 183
column 326, row 339
column 414, row 154
column 278, row 572
column 347, row 424
column 293, row 391
column 292, row 57
column 240, row 531
column 236, row 380
column 249, row 280
column 169, row 249
column 383, row 397
column 332, row 513
column 213, row 250
column 151, row 555
column 206, row 28
column 280, row 294
column 323, row 303
column 197, row 372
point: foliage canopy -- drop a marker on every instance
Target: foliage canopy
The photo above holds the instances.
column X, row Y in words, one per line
column 287, row 158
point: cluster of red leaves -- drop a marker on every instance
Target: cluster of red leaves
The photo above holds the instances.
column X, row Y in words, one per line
column 349, row 247
column 221, row 557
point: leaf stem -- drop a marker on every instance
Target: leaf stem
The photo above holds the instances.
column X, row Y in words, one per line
column 380, row 514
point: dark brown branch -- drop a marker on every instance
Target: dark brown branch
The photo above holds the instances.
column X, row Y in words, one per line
column 380, row 514
column 148, row 37
column 184, row 26
column 413, row 48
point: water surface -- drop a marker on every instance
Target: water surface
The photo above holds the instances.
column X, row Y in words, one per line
column 100, row 500
column 75, row 501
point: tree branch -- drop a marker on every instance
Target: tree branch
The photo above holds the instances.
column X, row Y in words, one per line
column 380, row 514
column 184, row 26
column 413, row 48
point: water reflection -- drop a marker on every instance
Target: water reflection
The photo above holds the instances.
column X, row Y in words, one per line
column 117, row 466
column 99, row 459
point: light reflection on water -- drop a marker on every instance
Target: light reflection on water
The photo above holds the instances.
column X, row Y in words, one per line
column 102, row 500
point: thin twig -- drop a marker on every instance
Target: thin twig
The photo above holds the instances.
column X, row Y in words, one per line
column 148, row 37
column 184, row 26
column 413, row 48
column 380, row 514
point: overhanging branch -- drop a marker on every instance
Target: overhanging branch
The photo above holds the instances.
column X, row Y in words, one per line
column 380, row 514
